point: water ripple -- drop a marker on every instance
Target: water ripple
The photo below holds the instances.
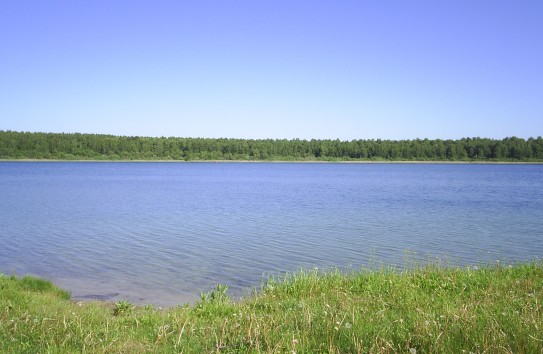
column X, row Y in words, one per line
column 161, row 233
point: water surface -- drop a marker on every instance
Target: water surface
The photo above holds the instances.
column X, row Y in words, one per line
column 160, row 233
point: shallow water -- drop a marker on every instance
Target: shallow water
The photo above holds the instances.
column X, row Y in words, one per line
column 160, row 233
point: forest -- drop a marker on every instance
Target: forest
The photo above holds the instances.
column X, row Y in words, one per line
column 76, row 146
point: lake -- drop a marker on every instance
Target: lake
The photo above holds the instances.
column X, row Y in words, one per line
column 160, row 233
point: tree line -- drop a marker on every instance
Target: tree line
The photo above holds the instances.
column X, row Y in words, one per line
column 75, row 146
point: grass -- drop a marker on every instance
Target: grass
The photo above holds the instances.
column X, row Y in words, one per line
column 429, row 309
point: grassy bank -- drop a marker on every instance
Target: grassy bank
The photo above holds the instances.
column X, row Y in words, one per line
column 429, row 309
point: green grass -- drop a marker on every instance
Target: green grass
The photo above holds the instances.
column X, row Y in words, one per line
column 429, row 309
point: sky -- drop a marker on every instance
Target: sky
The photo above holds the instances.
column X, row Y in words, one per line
column 259, row 69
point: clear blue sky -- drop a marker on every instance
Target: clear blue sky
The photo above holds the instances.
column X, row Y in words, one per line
column 273, row 68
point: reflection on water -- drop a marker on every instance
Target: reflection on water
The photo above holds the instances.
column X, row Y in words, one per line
column 161, row 233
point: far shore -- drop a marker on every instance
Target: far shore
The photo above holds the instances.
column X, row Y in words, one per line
column 295, row 161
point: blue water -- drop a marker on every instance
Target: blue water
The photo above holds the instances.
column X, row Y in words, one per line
column 160, row 233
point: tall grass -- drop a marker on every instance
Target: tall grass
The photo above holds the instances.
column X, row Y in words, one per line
column 428, row 309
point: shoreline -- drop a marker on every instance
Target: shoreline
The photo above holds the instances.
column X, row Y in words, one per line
column 479, row 309
column 417, row 162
